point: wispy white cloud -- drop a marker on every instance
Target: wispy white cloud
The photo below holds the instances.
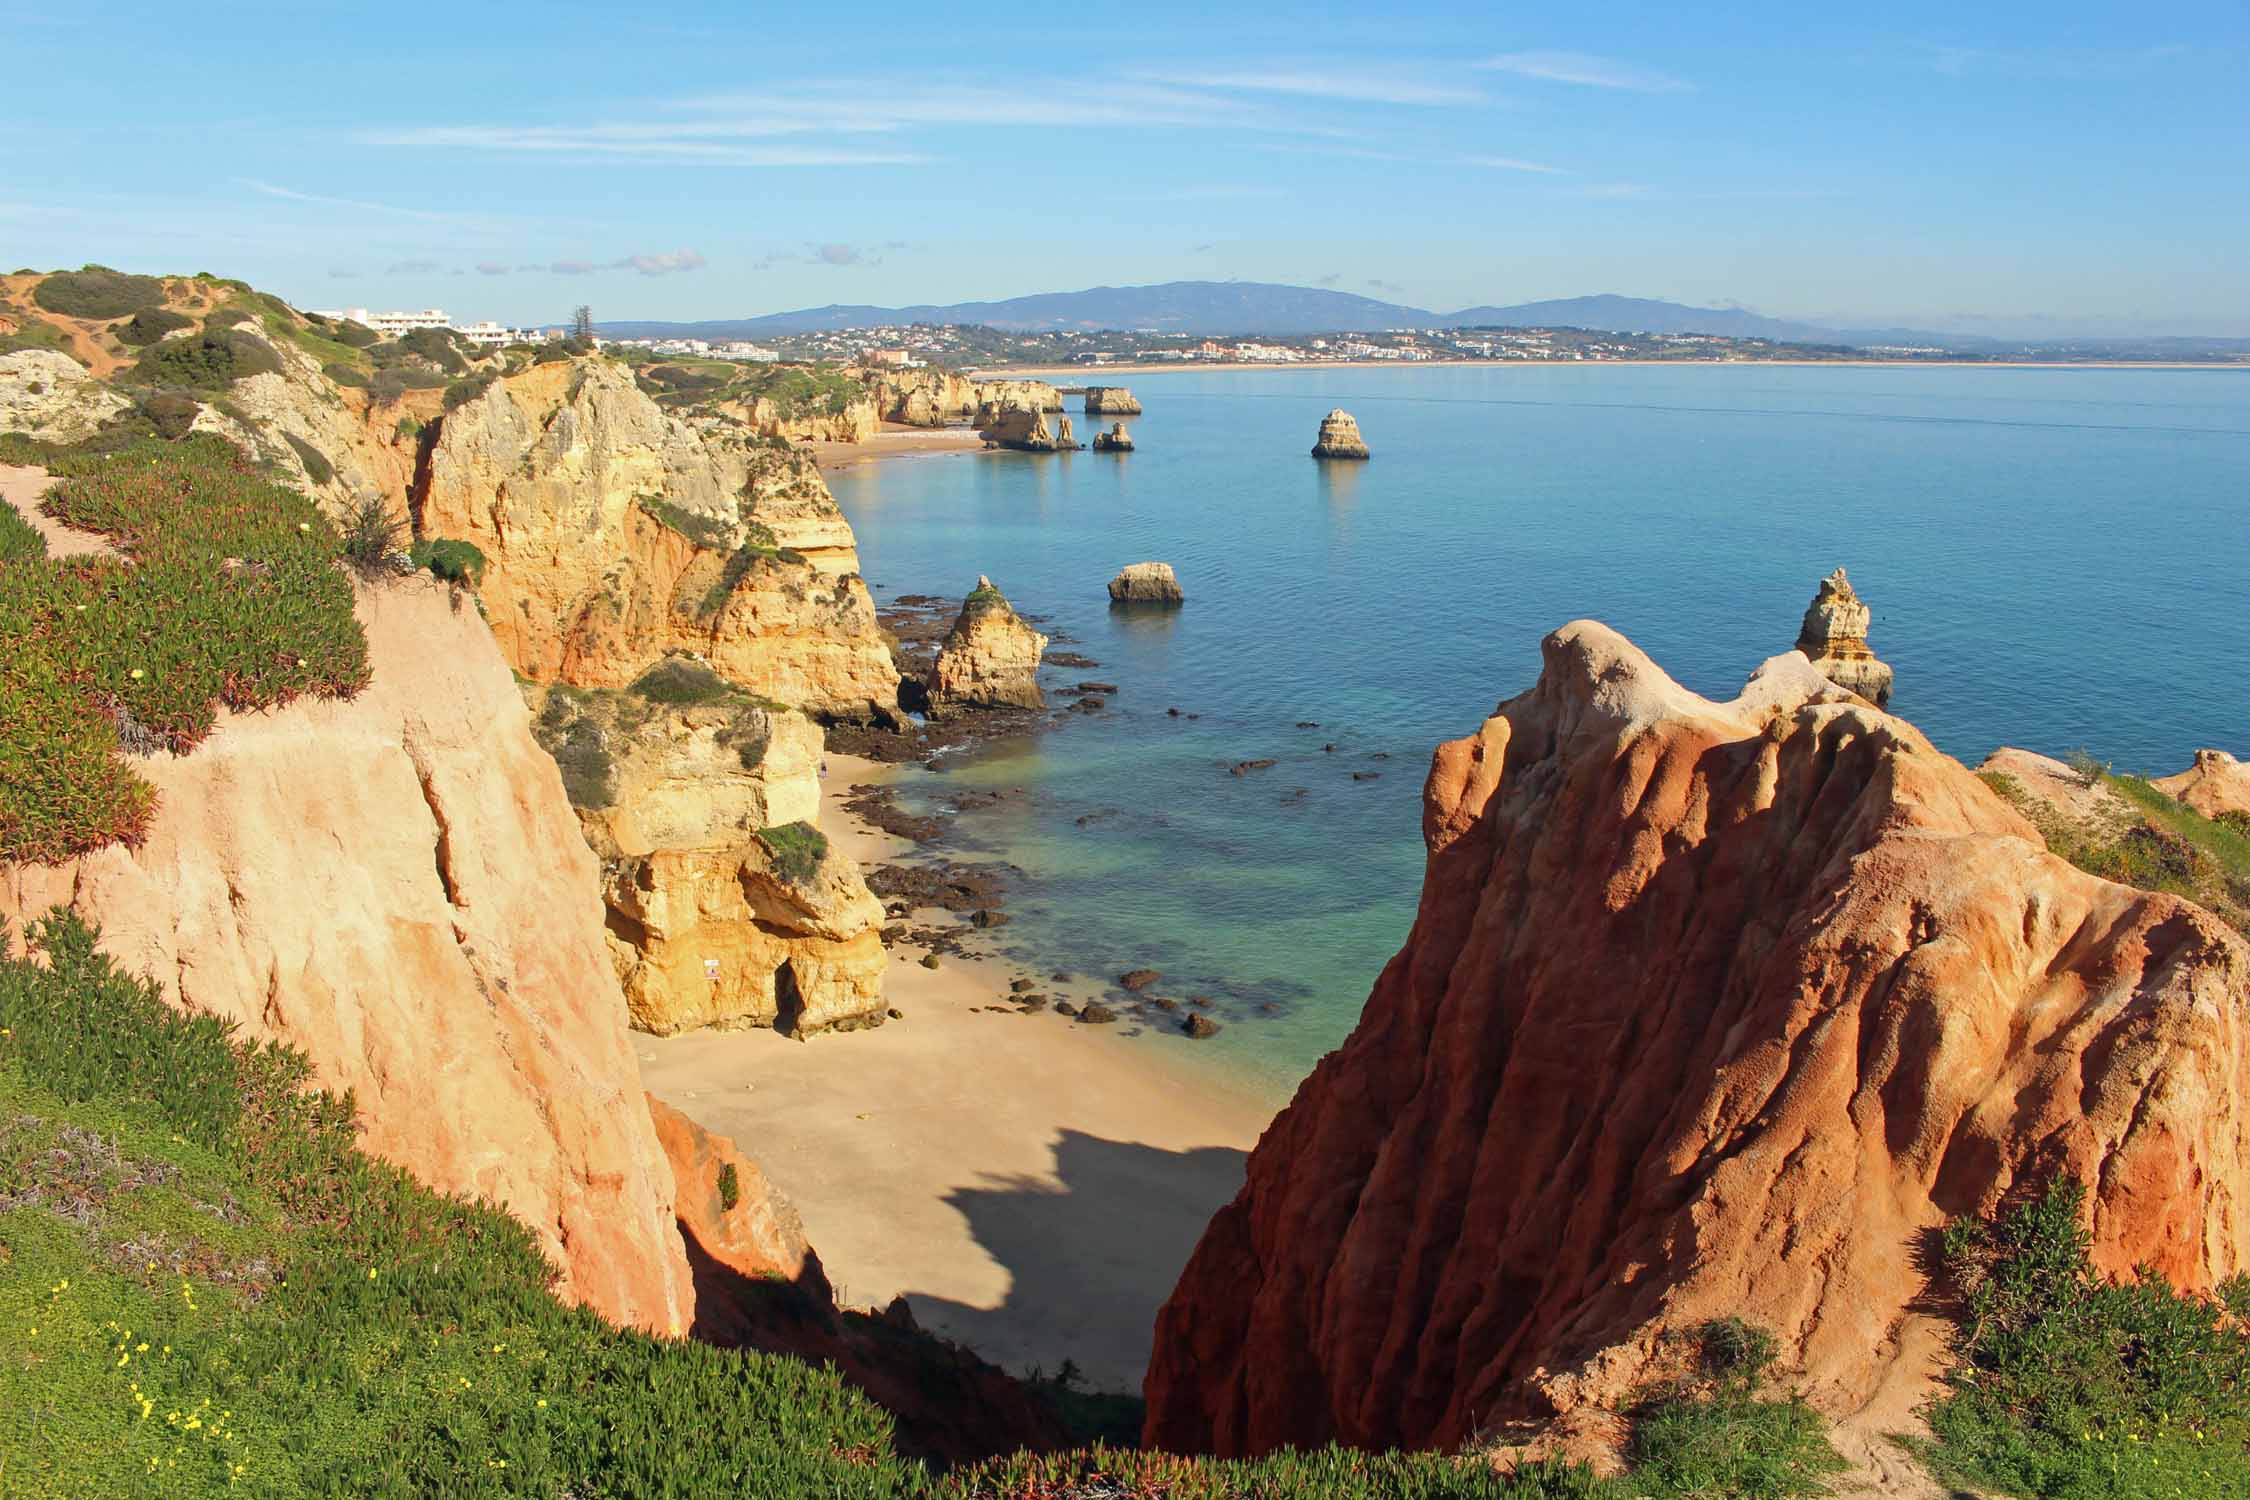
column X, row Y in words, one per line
column 273, row 190
column 1514, row 164
column 665, row 263
column 685, row 144
column 1582, row 68
column 1357, row 84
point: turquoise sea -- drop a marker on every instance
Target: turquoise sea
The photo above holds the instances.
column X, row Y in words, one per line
column 2057, row 559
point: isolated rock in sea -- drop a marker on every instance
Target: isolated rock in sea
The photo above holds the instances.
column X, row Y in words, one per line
column 1339, row 437
column 1111, row 401
column 1145, row 583
column 48, row 395
column 2217, row 783
column 616, row 534
column 1116, row 440
column 1708, row 1010
column 706, row 925
column 395, row 884
column 1834, row 638
column 1018, row 427
column 989, row 660
column 1064, row 438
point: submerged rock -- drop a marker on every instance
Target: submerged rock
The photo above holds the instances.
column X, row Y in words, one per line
column 1116, row 440
column 1146, row 583
column 989, row 660
column 1339, row 437
column 1834, row 638
column 1709, row 1009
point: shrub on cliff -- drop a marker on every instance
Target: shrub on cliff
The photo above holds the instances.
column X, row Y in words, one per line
column 211, row 362
column 679, row 680
column 232, row 597
column 454, row 561
column 214, row 1290
column 2073, row 1386
column 98, row 292
column 150, row 325
column 797, row 850
column 20, row 541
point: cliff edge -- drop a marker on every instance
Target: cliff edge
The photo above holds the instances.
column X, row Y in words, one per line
column 1708, row 1010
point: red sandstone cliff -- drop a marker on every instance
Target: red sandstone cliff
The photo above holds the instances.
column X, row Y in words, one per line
column 1708, row 1009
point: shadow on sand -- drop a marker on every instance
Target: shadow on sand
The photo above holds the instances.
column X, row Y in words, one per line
column 1092, row 1260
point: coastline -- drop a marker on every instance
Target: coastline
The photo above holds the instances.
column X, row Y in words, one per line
column 895, row 440
column 1089, row 372
column 1029, row 1183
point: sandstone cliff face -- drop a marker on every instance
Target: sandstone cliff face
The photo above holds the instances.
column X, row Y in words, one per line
column 1111, row 401
column 990, row 659
column 50, row 396
column 1339, row 437
column 2216, row 784
column 395, row 885
column 1709, row 1009
column 932, row 398
column 759, row 1234
column 616, row 534
column 706, row 926
column 1834, row 639
column 1018, row 427
column 356, row 454
column 856, row 423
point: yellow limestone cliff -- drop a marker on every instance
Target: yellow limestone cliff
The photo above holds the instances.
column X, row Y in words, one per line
column 395, row 885
column 725, row 907
column 617, row 534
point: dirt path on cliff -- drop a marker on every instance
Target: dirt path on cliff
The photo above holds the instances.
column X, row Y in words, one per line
column 21, row 487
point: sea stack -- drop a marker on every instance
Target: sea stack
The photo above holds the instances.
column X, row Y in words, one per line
column 1111, row 401
column 1017, row 427
column 1116, row 440
column 1835, row 638
column 1065, row 439
column 1339, row 437
column 1145, row 583
column 989, row 660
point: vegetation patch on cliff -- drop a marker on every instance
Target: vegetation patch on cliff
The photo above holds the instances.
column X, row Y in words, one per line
column 211, row 1288
column 2078, row 1388
column 98, row 292
column 228, row 592
column 797, row 850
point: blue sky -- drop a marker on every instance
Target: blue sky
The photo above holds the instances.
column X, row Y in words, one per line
column 1920, row 163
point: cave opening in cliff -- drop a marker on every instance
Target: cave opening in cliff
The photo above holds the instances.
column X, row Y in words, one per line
column 788, row 1000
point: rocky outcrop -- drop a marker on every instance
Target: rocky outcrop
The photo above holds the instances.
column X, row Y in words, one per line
column 1145, row 583
column 617, row 535
column 1339, row 437
column 856, row 423
column 709, row 923
column 1019, row 428
column 396, row 885
column 1834, row 639
column 1111, row 401
column 50, row 396
column 1116, row 440
column 933, row 398
column 729, row 1212
column 2215, row 785
column 1709, row 1009
column 1065, row 439
column 989, row 660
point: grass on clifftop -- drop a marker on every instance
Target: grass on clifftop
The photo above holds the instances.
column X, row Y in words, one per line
column 2071, row 1387
column 228, row 593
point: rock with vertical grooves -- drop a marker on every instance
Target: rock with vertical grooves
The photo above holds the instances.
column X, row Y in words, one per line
column 1708, row 1010
column 1111, row 401
column 1834, row 639
column 1339, row 437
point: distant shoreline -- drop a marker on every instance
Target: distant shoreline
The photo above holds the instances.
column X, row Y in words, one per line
column 1091, row 373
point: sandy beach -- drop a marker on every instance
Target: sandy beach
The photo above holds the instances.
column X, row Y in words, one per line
column 1032, row 1185
column 897, row 440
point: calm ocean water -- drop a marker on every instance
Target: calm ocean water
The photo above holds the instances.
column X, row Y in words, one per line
column 2056, row 559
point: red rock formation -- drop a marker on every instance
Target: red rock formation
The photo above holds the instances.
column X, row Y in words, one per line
column 1708, row 1009
column 2216, row 784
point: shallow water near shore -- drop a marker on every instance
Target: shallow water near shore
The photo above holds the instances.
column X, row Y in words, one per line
column 2056, row 559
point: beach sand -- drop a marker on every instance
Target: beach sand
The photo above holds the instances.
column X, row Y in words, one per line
column 1030, row 1184
column 896, row 440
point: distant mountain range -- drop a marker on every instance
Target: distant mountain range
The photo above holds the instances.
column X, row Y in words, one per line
column 1261, row 307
